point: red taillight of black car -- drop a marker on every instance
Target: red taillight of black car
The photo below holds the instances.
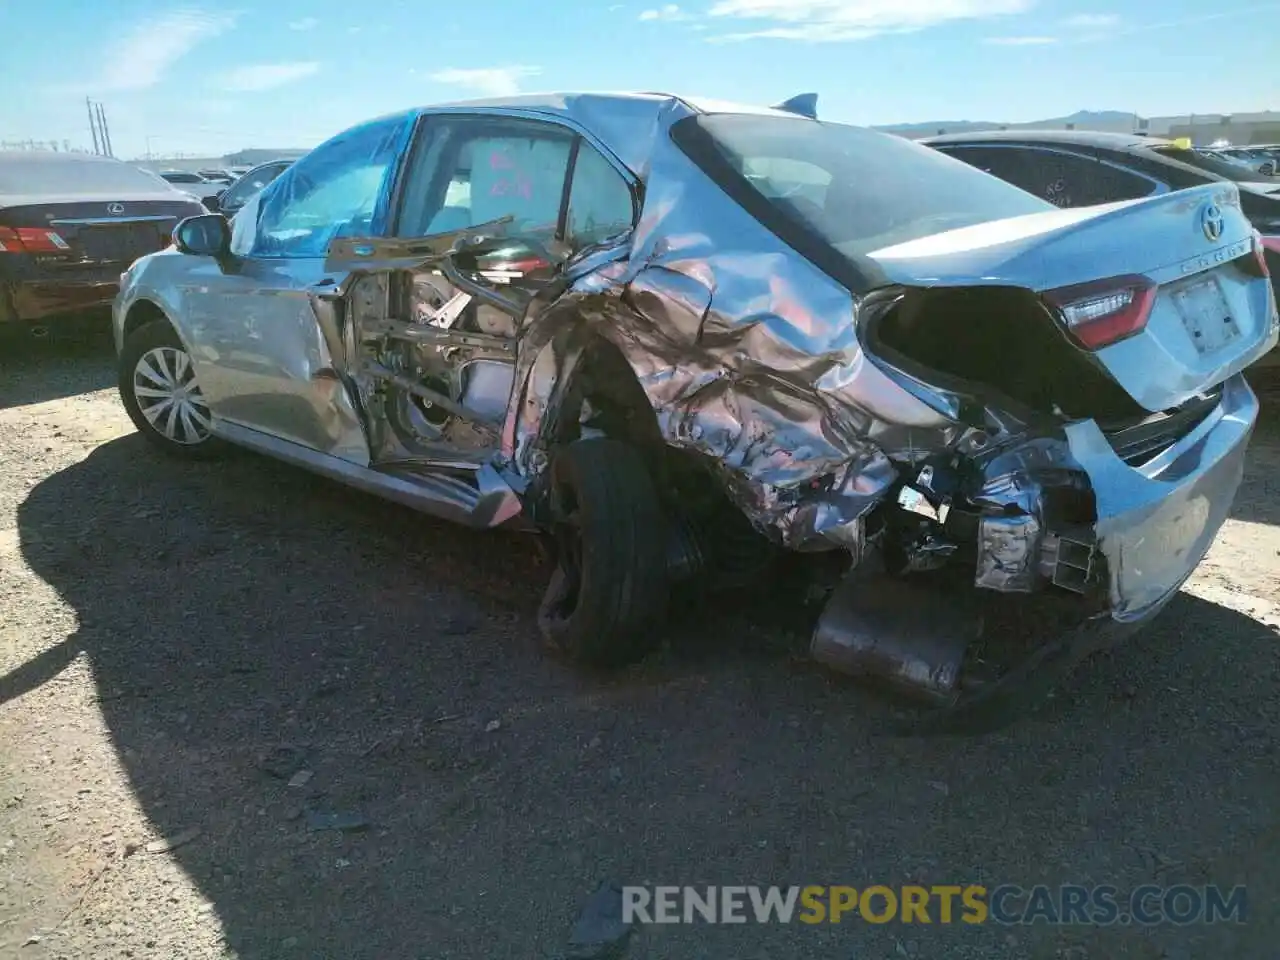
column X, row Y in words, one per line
column 33, row 240
column 1104, row 312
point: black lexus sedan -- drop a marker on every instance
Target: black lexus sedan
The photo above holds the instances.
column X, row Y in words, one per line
column 70, row 224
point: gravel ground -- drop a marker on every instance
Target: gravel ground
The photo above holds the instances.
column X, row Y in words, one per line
column 177, row 641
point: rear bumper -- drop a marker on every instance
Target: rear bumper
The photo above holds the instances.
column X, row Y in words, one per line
column 1156, row 522
column 29, row 300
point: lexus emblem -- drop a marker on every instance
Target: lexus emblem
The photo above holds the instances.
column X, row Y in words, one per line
column 115, row 209
column 1211, row 221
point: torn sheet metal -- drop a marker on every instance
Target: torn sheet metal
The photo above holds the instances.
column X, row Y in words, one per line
column 1156, row 522
column 748, row 356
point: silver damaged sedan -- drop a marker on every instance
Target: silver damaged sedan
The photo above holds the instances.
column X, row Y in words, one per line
column 683, row 339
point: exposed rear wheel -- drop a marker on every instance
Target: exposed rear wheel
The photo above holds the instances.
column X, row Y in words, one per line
column 161, row 395
column 608, row 594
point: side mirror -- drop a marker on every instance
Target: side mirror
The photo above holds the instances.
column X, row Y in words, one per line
column 214, row 203
column 207, row 235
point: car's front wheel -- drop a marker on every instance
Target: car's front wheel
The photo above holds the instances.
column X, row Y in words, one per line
column 608, row 594
column 160, row 393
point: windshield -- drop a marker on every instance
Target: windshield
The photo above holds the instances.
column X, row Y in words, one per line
column 858, row 190
column 66, row 175
column 183, row 177
column 1223, row 168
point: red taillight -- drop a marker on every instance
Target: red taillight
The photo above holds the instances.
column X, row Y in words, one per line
column 1257, row 264
column 1104, row 311
column 32, row 240
column 1260, row 249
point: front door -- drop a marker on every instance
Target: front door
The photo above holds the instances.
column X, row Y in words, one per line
column 262, row 357
column 554, row 189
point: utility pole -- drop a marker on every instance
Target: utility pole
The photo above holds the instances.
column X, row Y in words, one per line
column 93, row 125
column 106, row 133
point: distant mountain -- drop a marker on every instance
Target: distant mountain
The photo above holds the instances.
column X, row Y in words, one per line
column 1116, row 120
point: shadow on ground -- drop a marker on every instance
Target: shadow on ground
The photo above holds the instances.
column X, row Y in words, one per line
column 34, row 370
column 231, row 610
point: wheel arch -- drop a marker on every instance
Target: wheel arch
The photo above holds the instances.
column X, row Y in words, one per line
column 568, row 362
column 142, row 312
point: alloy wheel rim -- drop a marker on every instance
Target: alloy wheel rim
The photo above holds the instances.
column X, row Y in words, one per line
column 164, row 385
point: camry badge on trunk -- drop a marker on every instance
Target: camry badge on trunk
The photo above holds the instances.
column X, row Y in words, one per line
column 115, row 209
column 1212, row 221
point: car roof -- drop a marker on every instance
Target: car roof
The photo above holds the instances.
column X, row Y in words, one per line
column 1091, row 138
column 626, row 123
column 53, row 156
column 565, row 102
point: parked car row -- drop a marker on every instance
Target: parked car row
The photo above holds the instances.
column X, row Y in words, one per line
column 224, row 190
column 71, row 222
column 680, row 338
column 1263, row 158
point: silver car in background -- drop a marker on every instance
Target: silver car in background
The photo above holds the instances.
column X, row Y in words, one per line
column 682, row 337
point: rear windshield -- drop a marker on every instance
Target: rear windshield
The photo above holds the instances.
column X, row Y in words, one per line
column 69, row 176
column 855, row 189
column 1223, row 168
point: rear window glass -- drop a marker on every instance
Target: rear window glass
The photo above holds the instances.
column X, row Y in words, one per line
column 857, row 190
column 1223, row 168
column 65, row 175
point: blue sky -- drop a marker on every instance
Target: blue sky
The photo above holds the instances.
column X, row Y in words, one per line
column 214, row 78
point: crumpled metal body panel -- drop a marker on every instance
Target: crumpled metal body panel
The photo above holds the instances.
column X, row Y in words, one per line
column 1155, row 523
column 749, row 356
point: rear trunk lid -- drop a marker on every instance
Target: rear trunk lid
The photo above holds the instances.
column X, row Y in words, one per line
column 1182, row 269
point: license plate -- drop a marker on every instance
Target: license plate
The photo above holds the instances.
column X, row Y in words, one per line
column 1206, row 315
column 123, row 242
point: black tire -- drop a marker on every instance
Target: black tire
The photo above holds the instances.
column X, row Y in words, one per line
column 153, row 336
column 604, row 607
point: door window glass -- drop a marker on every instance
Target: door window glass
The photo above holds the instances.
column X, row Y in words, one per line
column 600, row 202
column 471, row 171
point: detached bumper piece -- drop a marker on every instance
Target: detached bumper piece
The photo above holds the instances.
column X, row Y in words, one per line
column 902, row 631
column 910, row 635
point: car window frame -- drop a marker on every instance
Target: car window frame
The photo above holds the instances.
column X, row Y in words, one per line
column 421, row 136
column 380, row 217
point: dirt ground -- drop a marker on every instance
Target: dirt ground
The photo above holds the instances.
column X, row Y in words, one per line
column 177, row 642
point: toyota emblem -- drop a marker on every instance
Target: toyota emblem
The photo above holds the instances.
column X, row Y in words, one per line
column 1211, row 221
column 115, row 209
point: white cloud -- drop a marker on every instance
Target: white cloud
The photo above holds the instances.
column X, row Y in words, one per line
column 306, row 23
column 266, row 76
column 1087, row 21
column 142, row 56
column 490, row 81
column 828, row 21
column 670, row 13
column 1020, row 41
